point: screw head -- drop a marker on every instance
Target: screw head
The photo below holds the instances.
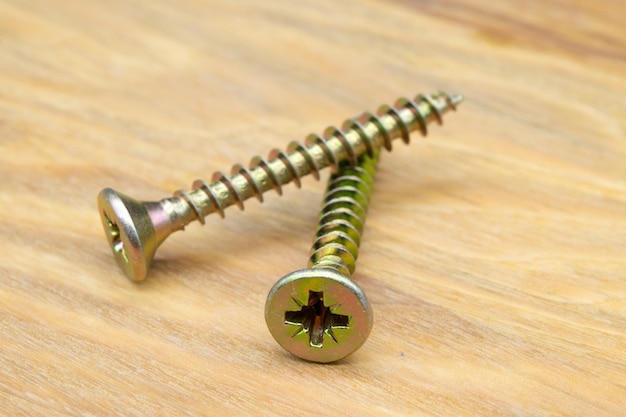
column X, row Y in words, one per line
column 318, row 314
column 129, row 231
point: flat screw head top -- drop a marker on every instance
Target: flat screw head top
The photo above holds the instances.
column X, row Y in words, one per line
column 318, row 314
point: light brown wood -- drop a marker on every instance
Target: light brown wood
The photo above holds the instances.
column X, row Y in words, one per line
column 494, row 254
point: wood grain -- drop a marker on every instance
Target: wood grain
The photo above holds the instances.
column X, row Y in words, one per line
column 495, row 251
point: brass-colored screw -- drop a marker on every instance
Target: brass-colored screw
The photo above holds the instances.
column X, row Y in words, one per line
column 135, row 229
column 319, row 313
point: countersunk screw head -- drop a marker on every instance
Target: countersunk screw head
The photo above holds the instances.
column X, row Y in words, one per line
column 318, row 314
column 129, row 230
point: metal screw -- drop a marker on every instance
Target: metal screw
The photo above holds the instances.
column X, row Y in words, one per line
column 319, row 313
column 135, row 229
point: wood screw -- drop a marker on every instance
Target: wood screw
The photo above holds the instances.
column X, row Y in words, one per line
column 320, row 314
column 135, row 229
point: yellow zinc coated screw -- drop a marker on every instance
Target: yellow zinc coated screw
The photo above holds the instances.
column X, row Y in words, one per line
column 135, row 229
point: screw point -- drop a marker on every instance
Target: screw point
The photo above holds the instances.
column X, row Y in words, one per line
column 456, row 99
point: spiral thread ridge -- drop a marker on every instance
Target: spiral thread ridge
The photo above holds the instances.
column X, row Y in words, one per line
column 342, row 217
column 359, row 136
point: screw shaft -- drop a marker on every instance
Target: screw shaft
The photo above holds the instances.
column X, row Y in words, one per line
column 358, row 136
column 342, row 217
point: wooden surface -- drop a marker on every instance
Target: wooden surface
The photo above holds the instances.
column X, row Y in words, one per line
column 495, row 251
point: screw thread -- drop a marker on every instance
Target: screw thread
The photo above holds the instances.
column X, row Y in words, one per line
column 358, row 136
column 342, row 217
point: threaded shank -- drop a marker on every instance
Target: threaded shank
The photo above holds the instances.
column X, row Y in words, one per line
column 362, row 135
column 343, row 214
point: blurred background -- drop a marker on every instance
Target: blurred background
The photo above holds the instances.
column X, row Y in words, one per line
column 494, row 250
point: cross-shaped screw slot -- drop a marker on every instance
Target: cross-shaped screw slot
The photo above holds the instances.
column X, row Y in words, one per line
column 316, row 319
column 116, row 238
